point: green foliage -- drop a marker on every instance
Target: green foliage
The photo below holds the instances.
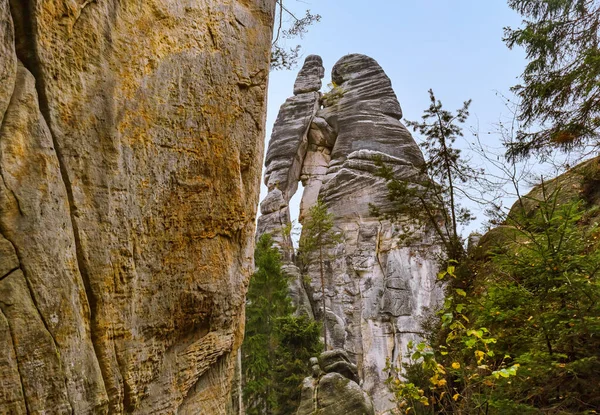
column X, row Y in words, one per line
column 544, row 298
column 271, row 377
column 267, row 300
column 299, row 341
column 318, row 235
column 523, row 336
column 560, row 90
column 318, row 232
column 451, row 375
column 333, row 95
column 439, row 186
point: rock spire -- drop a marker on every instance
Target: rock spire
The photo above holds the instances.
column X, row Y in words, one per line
column 377, row 291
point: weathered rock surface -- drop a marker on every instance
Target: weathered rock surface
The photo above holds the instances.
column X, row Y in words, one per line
column 283, row 166
column 330, row 391
column 130, row 148
column 376, row 291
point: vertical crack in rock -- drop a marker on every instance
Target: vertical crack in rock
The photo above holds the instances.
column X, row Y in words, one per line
column 27, row 51
column 25, row 27
column 394, row 351
column 12, row 337
column 356, row 125
column 4, row 234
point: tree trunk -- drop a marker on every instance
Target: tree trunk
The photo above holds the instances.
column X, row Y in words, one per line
column 323, row 295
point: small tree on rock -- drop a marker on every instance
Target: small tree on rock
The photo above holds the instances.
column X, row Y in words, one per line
column 431, row 198
column 318, row 235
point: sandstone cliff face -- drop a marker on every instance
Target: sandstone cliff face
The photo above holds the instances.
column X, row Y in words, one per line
column 376, row 291
column 130, row 147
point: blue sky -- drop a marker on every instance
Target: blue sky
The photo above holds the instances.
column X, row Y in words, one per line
column 454, row 47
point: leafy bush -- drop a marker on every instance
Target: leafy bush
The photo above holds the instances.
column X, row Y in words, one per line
column 522, row 335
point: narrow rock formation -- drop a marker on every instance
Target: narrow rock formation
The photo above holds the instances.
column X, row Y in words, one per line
column 284, row 163
column 377, row 292
column 130, row 148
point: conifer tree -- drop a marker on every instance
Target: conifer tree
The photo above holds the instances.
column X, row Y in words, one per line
column 277, row 345
column 439, row 185
column 542, row 297
column 267, row 301
column 298, row 342
column 560, row 89
column 318, row 235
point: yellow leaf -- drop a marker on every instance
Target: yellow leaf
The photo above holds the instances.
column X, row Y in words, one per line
column 455, row 365
column 442, row 382
column 455, row 397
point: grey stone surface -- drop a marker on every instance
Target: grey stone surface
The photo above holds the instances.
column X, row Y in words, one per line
column 289, row 142
column 310, row 76
column 285, row 157
column 338, row 395
column 129, row 181
column 367, row 115
column 376, row 291
column 308, row 397
column 334, row 388
column 273, row 202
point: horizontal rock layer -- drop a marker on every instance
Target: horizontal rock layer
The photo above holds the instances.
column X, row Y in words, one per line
column 130, row 149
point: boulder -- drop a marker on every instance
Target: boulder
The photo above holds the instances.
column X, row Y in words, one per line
column 333, row 388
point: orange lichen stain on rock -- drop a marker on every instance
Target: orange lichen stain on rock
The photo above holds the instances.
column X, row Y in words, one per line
column 158, row 42
column 66, row 115
column 135, row 125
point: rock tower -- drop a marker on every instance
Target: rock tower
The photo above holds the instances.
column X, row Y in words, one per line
column 376, row 291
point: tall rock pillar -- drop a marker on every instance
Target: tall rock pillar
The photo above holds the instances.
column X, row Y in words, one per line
column 284, row 165
column 377, row 291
